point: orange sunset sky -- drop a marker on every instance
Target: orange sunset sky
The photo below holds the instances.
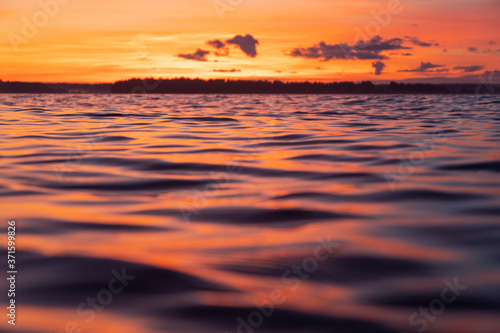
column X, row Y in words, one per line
column 108, row 40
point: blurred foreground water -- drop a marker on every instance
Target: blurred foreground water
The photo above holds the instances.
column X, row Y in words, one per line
column 205, row 213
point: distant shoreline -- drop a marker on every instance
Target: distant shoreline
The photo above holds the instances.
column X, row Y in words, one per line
column 245, row 87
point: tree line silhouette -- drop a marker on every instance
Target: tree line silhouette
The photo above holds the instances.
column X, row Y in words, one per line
column 221, row 86
column 27, row 88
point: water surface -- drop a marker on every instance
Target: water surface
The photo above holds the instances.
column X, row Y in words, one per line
column 219, row 205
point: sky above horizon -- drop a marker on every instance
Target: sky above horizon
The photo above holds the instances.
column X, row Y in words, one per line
column 104, row 41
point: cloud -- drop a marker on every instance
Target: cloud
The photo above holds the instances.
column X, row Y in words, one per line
column 222, row 50
column 490, row 51
column 406, row 54
column 476, row 50
column 248, row 44
column 234, row 70
column 491, row 42
column 199, row 55
column 323, row 51
column 220, row 46
column 365, row 50
column 425, row 67
column 217, row 43
column 469, row 69
column 377, row 44
column 418, row 42
column 487, row 79
column 379, row 66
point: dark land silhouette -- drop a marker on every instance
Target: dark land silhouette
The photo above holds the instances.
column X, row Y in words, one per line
column 28, row 88
column 221, row 86
column 54, row 88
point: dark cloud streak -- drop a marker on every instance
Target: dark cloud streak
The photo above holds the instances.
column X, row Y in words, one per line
column 199, row 55
column 418, row 42
column 218, row 44
column 364, row 50
column 469, row 69
column 234, row 70
column 425, row 67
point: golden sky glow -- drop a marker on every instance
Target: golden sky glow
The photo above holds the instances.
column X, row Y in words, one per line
column 104, row 41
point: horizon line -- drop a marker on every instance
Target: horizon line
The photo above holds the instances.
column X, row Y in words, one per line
column 375, row 82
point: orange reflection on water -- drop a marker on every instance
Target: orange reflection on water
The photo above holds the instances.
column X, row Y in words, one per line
column 222, row 210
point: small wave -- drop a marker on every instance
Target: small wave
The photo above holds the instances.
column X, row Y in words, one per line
column 386, row 196
column 479, row 166
column 349, row 176
column 332, row 158
column 111, row 138
column 223, row 319
column 41, row 226
column 132, row 185
column 300, row 143
column 254, row 216
column 203, row 119
column 288, row 137
column 483, row 211
column 355, row 102
column 13, row 193
column 103, row 114
column 479, row 300
column 32, row 109
column 80, row 277
column 377, row 147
